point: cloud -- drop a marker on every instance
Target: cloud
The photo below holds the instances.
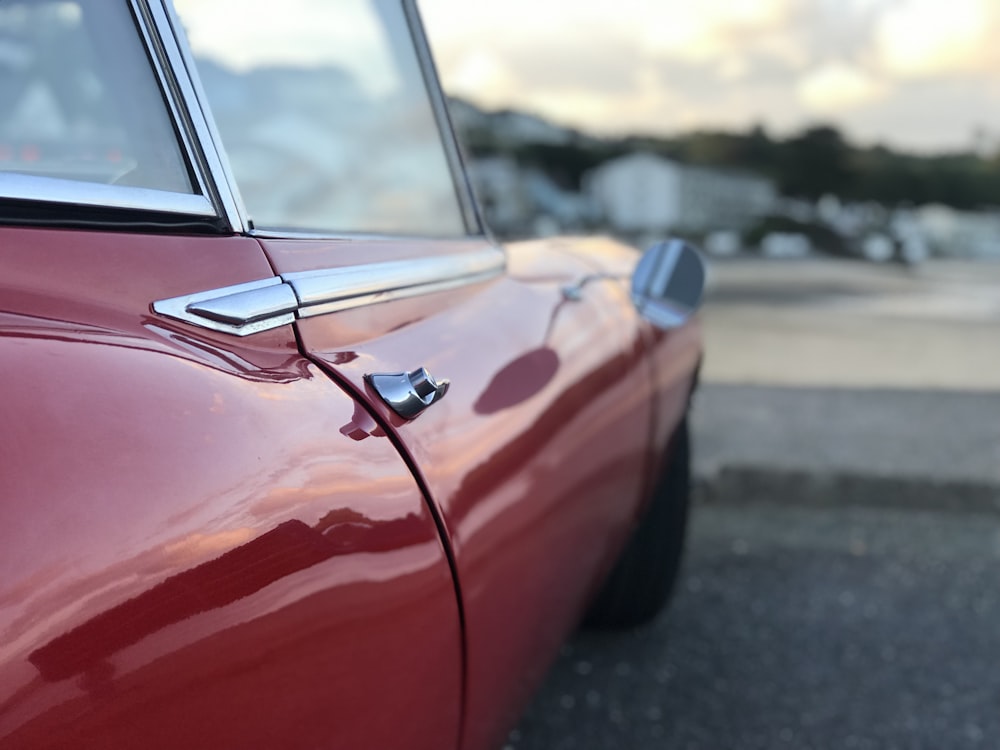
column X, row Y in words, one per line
column 482, row 75
column 665, row 65
column 929, row 114
column 570, row 62
column 710, row 29
column 550, row 77
column 920, row 38
column 837, row 86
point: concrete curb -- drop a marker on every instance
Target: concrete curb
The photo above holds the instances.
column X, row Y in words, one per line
column 748, row 485
column 879, row 448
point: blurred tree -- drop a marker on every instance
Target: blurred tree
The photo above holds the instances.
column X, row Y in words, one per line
column 815, row 162
column 808, row 165
column 565, row 163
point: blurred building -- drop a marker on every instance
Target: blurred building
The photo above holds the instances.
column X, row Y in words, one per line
column 961, row 234
column 644, row 193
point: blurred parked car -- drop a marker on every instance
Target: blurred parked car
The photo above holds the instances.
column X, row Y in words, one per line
column 294, row 454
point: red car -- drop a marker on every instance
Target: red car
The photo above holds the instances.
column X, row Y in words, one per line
column 295, row 455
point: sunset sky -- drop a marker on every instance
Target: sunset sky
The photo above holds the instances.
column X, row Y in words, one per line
column 917, row 74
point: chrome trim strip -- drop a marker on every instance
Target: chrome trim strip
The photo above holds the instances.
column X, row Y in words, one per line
column 251, row 306
column 334, row 235
column 196, row 103
column 256, row 306
column 332, row 288
column 239, row 310
column 339, row 304
column 19, row 186
column 168, row 89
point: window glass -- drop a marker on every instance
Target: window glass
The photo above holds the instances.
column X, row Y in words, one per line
column 324, row 115
column 78, row 99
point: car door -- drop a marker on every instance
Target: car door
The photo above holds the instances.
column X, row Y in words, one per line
column 194, row 550
column 536, row 455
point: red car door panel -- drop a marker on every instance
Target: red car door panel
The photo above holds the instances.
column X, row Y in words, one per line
column 195, row 554
column 536, row 457
column 674, row 354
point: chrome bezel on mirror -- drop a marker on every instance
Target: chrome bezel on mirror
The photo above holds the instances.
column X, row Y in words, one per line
column 668, row 283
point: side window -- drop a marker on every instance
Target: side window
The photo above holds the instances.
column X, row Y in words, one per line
column 324, row 115
column 79, row 100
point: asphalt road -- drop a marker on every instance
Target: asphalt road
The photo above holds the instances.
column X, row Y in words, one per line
column 798, row 627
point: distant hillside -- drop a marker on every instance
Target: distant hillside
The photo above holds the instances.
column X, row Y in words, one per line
column 808, row 164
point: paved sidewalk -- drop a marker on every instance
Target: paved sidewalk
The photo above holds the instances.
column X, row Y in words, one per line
column 838, row 381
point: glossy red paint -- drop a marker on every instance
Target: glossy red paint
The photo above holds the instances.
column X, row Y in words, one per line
column 537, row 459
column 673, row 355
column 194, row 552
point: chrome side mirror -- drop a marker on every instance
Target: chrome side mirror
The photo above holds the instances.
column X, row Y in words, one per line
column 668, row 283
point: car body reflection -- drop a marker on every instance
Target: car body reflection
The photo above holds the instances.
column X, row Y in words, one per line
column 290, row 547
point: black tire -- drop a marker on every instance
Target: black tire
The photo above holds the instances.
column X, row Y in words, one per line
column 642, row 580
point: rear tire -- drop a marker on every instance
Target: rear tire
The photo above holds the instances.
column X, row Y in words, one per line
column 642, row 580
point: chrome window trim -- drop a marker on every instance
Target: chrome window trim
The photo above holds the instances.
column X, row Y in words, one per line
column 17, row 186
column 257, row 306
column 205, row 134
column 153, row 44
column 474, row 223
column 338, row 303
column 277, row 234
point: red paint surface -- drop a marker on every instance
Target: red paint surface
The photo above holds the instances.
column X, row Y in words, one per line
column 194, row 552
column 539, row 455
column 672, row 355
column 206, row 542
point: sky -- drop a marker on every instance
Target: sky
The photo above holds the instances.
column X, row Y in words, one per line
column 921, row 75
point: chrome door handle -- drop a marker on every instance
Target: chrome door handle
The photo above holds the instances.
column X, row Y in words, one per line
column 408, row 393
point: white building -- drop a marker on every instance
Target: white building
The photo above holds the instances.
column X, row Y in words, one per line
column 962, row 234
column 646, row 193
